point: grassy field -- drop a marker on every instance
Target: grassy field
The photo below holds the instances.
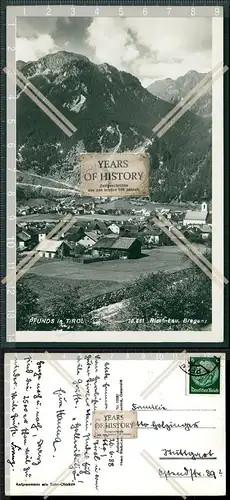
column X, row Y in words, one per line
column 57, row 281
column 61, row 277
column 48, row 286
column 169, row 259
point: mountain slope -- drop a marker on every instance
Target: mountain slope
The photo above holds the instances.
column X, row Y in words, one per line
column 111, row 111
column 175, row 90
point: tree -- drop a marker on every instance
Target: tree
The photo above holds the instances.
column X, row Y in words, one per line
column 79, row 250
column 67, row 312
column 27, row 305
column 173, row 301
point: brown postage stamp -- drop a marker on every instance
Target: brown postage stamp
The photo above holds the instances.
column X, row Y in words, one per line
column 114, row 174
column 114, row 424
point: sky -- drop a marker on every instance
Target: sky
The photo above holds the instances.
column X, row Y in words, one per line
column 151, row 49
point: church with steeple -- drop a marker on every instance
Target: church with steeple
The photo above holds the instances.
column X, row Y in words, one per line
column 198, row 217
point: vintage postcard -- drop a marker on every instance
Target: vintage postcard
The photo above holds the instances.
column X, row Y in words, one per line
column 114, row 425
column 115, row 174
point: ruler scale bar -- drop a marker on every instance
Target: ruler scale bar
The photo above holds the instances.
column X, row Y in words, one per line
column 118, row 9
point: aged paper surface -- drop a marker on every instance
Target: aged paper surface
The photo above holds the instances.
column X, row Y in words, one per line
column 119, row 174
column 51, row 404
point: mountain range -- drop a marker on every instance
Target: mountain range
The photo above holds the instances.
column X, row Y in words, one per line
column 175, row 90
column 111, row 112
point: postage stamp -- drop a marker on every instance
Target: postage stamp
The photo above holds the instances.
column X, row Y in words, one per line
column 204, row 376
column 114, row 424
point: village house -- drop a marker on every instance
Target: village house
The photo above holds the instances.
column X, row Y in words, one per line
column 37, row 235
column 129, row 248
column 22, row 239
column 97, row 226
column 49, row 249
column 197, row 217
column 152, row 236
column 177, row 216
column 141, row 211
column 164, row 211
column 128, row 229
column 104, row 245
column 75, row 234
column 81, row 210
column 89, row 239
column 209, row 219
column 126, row 232
column 18, row 227
column 193, row 234
column 114, row 228
column 206, row 231
column 100, row 211
column 24, row 210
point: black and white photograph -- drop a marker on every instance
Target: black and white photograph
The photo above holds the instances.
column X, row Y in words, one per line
column 117, row 267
